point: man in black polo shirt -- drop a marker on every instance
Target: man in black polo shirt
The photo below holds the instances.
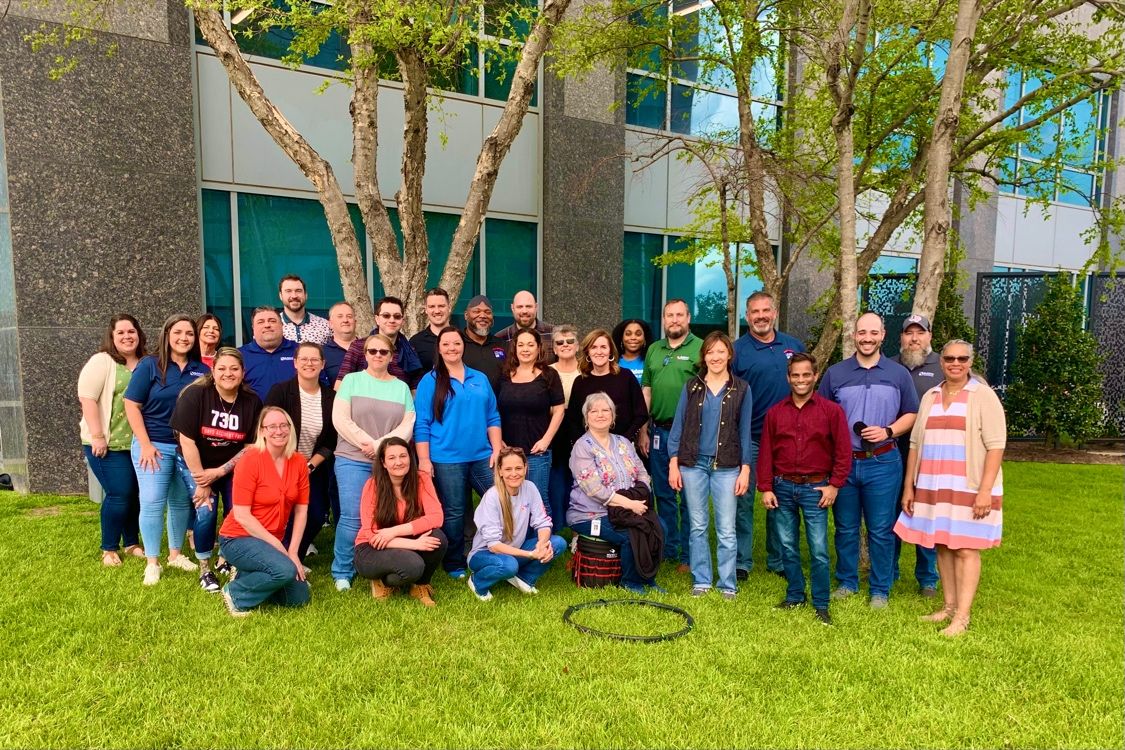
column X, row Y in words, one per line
column 483, row 351
column 437, row 317
column 916, row 354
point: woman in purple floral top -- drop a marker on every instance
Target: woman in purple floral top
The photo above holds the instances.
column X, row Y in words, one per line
column 603, row 464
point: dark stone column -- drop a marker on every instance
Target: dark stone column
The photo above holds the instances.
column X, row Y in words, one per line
column 104, row 213
column 583, row 197
column 975, row 229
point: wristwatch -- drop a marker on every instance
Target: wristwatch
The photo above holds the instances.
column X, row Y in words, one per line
column 890, row 433
column 312, row 467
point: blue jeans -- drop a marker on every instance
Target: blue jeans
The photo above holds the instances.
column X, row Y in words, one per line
column 161, row 489
column 204, row 520
column 539, row 474
column 121, row 507
column 351, row 475
column 744, row 526
column 489, row 568
column 454, row 483
column 264, row 574
column 700, row 482
column 925, row 564
column 872, row 490
column 559, row 492
column 620, row 540
column 793, row 501
column 673, row 514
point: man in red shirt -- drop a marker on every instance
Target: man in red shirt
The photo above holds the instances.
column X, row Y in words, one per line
column 804, row 458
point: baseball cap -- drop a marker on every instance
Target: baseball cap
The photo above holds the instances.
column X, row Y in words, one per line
column 916, row 320
column 480, row 299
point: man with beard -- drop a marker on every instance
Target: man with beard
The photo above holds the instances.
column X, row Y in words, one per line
column 297, row 323
column 437, row 317
column 669, row 364
column 917, row 355
column 483, row 351
column 267, row 359
column 761, row 358
column 881, row 404
column 525, row 310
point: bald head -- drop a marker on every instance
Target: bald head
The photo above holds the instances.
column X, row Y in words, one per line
column 869, row 333
column 524, row 309
column 869, row 320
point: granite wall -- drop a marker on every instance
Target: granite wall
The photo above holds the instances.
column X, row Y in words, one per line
column 103, row 198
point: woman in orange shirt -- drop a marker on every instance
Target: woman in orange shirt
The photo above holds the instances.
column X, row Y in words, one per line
column 270, row 482
column 400, row 542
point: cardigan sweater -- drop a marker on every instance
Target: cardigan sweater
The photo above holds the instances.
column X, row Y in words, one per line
column 986, row 429
column 287, row 395
column 96, row 382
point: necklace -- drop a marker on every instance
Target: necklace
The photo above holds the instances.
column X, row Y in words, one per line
column 949, row 393
column 223, row 402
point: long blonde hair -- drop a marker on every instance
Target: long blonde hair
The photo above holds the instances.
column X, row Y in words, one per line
column 502, row 489
column 260, row 442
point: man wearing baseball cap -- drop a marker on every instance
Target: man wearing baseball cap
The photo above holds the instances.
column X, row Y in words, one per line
column 483, row 351
column 916, row 354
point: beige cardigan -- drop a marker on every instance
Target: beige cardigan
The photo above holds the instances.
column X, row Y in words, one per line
column 96, row 382
column 986, row 429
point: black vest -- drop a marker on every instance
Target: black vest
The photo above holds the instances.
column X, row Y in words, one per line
column 728, row 449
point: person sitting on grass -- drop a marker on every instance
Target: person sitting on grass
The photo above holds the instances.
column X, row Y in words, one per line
column 270, row 482
column 501, row 547
column 400, row 542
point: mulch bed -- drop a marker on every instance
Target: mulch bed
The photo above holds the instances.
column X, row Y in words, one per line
column 1097, row 453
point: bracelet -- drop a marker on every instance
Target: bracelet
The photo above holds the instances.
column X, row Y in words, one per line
column 99, row 436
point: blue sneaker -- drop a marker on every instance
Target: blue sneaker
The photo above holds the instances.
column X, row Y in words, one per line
column 458, row 574
column 634, row 589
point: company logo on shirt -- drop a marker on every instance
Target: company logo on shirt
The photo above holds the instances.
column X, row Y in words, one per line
column 286, row 359
column 925, row 374
column 789, row 353
column 498, row 352
column 196, row 373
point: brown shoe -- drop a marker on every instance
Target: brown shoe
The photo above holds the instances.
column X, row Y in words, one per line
column 380, row 590
column 683, row 568
column 423, row 593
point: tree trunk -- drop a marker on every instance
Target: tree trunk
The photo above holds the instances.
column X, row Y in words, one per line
column 315, row 168
column 937, row 217
column 411, row 287
column 728, row 264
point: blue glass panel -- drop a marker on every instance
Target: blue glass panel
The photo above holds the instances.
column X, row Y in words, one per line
column 703, row 285
column 512, row 264
column 642, row 282
column 702, row 35
column 1076, row 188
column 218, row 270
column 699, row 112
column 1080, row 134
column 274, row 42
column 893, row 264
column 1006, row 175
column 498, row 72
column 645, row 100
column 1011, row 96
column 464, row 77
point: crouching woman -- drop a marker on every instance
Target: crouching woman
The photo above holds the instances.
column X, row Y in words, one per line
column 507, row 513
column 270, row 483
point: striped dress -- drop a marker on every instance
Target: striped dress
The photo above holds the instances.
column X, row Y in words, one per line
column 943, row 502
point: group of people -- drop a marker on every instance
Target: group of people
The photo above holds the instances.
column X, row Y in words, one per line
column 619, row 437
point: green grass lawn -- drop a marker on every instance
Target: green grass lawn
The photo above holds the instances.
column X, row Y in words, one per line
column 93, row 659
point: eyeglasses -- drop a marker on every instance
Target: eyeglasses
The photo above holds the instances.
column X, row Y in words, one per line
column 565, row 342
column 951, row 358
column 391, row 316
column 276, row 427
column 379, row 352
column 309, row 360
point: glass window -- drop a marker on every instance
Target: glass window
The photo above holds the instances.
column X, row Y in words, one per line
column 702, row 33
column 512, row 264
column 275, row 42
column 703, row 284
column 645, row 100
column 1080, row 134
column 502, row 18
column 885, row 264
column 748, row 279
column 699, row 112
column 218, row 270
column 463, row 78
column 1076, row 188
column 642, row 282
column 1006, row 175
column 498, row 72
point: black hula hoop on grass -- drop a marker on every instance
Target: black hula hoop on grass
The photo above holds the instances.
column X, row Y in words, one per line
column 689, row 623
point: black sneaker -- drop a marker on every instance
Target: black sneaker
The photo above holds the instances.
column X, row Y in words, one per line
column 823, row 616
column 788, row 605
column 741, row 574
column 209, row 582
column 223, row 568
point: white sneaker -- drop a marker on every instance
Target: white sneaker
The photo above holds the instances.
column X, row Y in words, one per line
column 343, row 584
column 312, row 550
column 152, row 574
column 485, row 597
column 523, row 585
column 306, row 568
column 183, row 563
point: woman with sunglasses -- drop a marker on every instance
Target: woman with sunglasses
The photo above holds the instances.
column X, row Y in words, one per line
column 149, row 402
column 567, row 365
column 504, row 548
column 370, row 405
column 106, row 437
column 953, row 492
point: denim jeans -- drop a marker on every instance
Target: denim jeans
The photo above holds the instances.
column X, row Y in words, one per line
column 454, row 483
column 400, row 567
column 620, row 540
column 872, row 491
column 121, row 507
column 490, row 568
column 161, row 489
column 319, row 482
column 351, row 475
column 744, row 526
column 264, row 574
column 673, row 513
column 925, row 564
column 794, row 501
column 539, row 474
column 701, row 482
column 559, row 496
column 203, row 521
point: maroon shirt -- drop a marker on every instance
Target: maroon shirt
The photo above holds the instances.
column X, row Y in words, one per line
column 814, row 439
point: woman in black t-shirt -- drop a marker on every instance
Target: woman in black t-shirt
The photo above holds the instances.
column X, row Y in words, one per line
column 530, row 400
column 214, row 419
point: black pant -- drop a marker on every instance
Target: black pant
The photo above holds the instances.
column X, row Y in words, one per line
column 399, row 567
column 317, row 509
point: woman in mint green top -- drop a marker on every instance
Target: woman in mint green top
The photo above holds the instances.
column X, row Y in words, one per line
column 106, row 436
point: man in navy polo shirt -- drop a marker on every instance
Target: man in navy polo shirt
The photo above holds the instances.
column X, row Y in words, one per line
column 268, row 359
column 916, row 354
column 761, row 358
column 341, row 319
column 881, row 404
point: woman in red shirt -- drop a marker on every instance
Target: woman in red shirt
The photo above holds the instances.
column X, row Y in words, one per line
column 400, row 542
column 270, row 482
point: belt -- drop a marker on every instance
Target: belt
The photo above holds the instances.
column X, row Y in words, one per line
column 663, row 425
column 804, row 478
column 884, row 448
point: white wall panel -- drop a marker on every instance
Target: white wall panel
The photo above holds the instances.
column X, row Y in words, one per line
column 1034, row 237
column 216, row 157
column 646, row 192
column 684, row 180
column 519, row 183
column 1071, row 251
column 1008, row 209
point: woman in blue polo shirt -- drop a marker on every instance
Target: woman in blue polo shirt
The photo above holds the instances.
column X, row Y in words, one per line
column 149, row 402
column 457, row 435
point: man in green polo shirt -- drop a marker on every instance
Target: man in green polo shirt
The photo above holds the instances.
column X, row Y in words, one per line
column 669, row 364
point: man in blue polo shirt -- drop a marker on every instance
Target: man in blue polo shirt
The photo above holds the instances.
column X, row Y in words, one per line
column 268, row 359
column 880, row 402
column 761, row 358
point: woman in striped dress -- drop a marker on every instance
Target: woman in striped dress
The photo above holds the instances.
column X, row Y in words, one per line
column 953, row 490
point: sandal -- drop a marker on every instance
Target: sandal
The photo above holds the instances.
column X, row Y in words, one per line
column 941, row 615
column 110, row 559
column 134, row 550
column 957, row 627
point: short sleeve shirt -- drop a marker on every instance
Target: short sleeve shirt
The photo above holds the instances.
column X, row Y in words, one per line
column 875, row 396
column 219, row 429
column 667, row 369
column 525, row 408
column 157, row 398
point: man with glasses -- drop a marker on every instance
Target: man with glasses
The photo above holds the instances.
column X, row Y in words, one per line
column 669, row 364
column 525, row 311
column 268, row 358
column 404, row 365
column 437, row 317
column 298, row 324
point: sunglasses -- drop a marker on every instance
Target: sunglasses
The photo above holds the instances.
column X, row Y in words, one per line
column 391, row 316
column 379, row 352
column 950, row 358
column 565, row 342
